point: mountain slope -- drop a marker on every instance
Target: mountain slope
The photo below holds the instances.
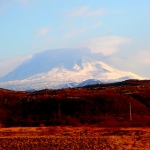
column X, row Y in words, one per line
column 59, row 69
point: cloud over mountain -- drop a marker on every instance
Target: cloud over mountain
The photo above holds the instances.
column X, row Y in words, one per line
column 107, row 45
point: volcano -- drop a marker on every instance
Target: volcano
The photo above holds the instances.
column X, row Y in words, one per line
column 61, row 68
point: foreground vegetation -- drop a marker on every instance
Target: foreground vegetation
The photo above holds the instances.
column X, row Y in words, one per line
column 106, row 105
column 78, row 138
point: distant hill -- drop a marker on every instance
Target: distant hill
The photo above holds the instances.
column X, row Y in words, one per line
column 89, row 82
column 103, row 104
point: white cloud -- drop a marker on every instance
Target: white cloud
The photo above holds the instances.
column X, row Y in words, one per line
column 42, row 31
column 48, row 40
column 43, row 44
column 24, row 2
column 1, row 10
column 98, row 12
column 4, row 7
column 9, row 65
column 137, row 62
column 144, row 56
column 96, row 25
column 85, row 10
column 106, row 45
column 6, row 4
column 74, row 32
column 17, row 1
column 78, row 11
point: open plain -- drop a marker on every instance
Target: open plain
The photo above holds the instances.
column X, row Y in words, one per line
column 70, row 138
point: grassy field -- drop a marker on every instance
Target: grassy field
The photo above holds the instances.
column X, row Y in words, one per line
column 78, row 138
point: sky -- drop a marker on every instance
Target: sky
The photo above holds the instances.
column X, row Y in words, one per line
column 119, row 29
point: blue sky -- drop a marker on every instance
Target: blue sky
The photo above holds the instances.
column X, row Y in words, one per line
column 118, row 29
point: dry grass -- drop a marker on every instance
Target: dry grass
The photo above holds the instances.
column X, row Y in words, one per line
column 69, row 138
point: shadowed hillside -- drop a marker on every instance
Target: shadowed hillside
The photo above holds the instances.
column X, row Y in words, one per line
column 105, row 105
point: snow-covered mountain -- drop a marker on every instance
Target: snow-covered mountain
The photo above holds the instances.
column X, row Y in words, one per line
column 62, row 68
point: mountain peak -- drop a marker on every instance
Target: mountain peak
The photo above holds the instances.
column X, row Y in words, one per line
column 50, row 69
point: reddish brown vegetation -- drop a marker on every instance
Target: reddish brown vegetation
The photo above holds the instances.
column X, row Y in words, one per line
column 74, row 138
column 105, row 105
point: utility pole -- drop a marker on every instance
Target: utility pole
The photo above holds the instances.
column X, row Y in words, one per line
column 130, row 112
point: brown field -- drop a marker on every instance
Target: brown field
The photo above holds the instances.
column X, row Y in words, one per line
column 78, row 138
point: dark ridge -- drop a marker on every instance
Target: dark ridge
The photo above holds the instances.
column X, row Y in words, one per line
column 131, row 82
